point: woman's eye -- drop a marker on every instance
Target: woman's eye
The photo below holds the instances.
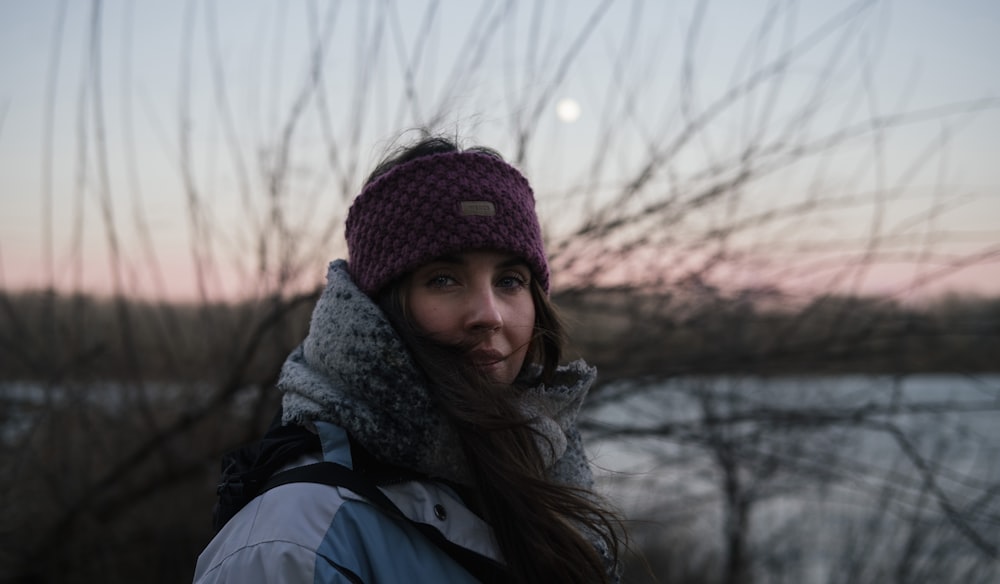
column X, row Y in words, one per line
column 440, row 281
column 512, row 281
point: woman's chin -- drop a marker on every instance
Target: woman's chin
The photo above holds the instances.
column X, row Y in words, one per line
column 497, row 371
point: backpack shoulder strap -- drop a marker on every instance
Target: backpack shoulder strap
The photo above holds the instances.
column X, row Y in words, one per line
column 337, row 475
column 245, row 469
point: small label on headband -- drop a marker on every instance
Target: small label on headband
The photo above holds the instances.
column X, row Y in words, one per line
column 481, row 208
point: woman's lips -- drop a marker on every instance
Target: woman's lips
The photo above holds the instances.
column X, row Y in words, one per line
column 486, row 357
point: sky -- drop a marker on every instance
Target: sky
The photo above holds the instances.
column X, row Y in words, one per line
column 210, row 149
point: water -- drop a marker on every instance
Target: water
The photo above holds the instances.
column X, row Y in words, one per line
column 22, row 403
column 845, row 479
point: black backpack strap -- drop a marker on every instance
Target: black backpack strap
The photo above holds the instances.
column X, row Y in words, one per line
column 246, row 469
column 337, row 475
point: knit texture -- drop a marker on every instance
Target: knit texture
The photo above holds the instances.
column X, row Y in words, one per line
column 437, row 205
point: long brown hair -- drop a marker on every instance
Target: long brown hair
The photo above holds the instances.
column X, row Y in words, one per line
column 539, row 524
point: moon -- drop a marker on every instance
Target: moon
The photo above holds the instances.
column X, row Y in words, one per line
column 568, row 110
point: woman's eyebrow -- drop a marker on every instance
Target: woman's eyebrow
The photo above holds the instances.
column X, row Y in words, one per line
column 459, row 260
column 513, row 262
column 448, row 259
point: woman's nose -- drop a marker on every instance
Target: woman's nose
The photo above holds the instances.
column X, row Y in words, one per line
column 483, row 312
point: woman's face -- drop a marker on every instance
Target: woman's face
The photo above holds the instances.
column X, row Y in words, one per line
column 479, row 299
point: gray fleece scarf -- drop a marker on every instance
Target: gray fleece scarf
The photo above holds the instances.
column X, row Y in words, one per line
column 353, row 370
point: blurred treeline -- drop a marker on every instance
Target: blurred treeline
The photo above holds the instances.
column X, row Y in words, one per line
column 630, row 334
column 52, row 338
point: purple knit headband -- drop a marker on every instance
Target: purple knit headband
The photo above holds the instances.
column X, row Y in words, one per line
column 437, row 205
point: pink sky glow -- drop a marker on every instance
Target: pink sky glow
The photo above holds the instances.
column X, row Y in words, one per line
column 190, row 137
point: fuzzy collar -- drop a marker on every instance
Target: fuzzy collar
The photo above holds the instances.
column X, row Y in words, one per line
column 353, row 370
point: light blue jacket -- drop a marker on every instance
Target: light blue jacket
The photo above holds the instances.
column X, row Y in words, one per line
column 305, row 532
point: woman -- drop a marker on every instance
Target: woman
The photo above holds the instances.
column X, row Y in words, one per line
column 431, row 369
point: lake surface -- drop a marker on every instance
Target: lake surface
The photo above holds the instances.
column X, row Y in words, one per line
column 843, row 479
